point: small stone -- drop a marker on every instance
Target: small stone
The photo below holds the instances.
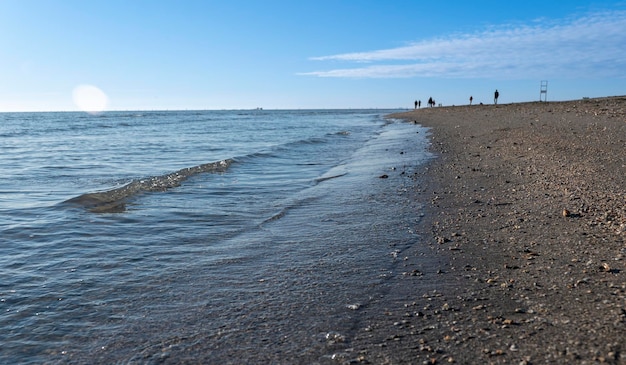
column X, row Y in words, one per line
column 441, row 240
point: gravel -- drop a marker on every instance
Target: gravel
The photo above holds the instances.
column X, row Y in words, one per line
column 526, row 229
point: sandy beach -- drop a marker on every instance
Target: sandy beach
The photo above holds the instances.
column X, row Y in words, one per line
column 526, row 222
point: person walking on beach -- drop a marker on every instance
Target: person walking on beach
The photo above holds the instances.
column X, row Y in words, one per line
column 495, row 97
column 416, row 104
column 471, row 98
column 419, row 103
column 430, row 101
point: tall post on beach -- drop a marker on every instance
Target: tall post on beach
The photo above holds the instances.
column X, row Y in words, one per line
column 543, row 91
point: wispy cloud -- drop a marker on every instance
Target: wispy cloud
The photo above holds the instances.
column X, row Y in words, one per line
column 589, row 46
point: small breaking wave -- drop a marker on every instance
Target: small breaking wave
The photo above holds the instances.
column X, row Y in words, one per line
column 114, row 201
column 322, row 179
column 284, row 210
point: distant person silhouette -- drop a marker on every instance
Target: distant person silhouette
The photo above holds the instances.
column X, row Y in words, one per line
column 495, row 97
column 471, row 98
column 419, row 104
column 415, row 104
column 430, row 102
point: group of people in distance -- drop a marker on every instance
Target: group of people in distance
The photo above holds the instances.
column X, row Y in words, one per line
column 431, row 101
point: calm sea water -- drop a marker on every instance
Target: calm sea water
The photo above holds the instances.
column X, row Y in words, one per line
column 208, row 236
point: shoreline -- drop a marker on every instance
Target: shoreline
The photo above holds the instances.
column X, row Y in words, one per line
column 526, row 224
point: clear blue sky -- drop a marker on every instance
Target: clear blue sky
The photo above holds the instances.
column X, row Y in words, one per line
column 231, row 54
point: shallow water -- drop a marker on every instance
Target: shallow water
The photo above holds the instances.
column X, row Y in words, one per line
column 267, row 258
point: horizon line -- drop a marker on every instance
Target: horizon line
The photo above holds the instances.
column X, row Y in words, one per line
column 289, row 109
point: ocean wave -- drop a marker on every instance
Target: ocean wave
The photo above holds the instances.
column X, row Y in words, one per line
column 114, row 201
column 296, row 203
column 324, row 178
column 280, row 149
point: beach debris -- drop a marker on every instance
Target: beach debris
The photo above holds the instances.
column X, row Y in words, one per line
column 355, row 306
column 344, row 357
column 492, row 280
column 529, row 254
column 334, row 337
column 605, row 267
column 492, row 353
column 413, row 273
column 384, row 176
column 581, row 281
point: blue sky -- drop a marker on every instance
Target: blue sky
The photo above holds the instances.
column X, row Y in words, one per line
column 235, row 54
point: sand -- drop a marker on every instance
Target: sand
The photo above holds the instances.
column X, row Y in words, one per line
column 526, row 224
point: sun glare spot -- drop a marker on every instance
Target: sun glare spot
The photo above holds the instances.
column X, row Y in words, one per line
column 90, row 99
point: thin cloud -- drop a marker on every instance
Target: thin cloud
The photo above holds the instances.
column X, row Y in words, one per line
column 589, row 46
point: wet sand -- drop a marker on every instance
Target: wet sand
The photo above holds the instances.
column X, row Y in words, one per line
column 526, row 224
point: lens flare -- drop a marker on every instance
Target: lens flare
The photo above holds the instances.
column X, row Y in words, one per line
column 90, row 99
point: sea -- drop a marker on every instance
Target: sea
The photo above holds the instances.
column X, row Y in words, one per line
column 213, row 237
